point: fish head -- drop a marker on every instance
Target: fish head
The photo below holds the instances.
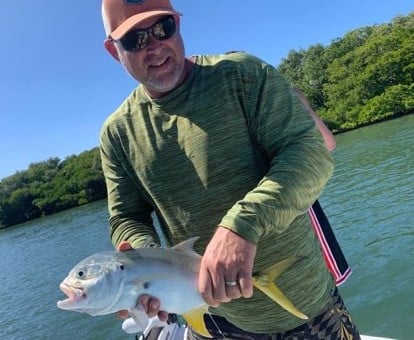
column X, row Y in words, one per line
column 94, row 285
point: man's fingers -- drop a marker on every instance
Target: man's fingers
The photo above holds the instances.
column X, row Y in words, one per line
column 218, row 283
column 150, row 304
column 122, row 314
column 231, row 284
column 163, row 316
column 153, row 307
column 233, row 292
column 246, row 285
column 206, row 289
column 226, row 266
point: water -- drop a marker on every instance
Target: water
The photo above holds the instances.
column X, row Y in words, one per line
column 369, row 202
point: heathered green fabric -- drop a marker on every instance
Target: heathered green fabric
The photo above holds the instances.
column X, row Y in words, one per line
column 192, row 157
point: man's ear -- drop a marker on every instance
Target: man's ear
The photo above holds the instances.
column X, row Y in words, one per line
column 110, row 47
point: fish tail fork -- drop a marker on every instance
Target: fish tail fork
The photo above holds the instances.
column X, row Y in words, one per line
column 264, row 281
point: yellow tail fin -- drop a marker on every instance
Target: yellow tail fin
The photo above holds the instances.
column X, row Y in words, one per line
column 264, row 279
column 195, row 318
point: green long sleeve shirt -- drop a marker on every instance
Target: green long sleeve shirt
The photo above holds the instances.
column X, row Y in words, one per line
column 231, row 146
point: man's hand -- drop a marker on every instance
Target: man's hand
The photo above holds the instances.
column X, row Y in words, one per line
column 226, row 268
column 151, row 305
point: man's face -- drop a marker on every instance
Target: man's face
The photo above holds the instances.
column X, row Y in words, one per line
column 159, row 67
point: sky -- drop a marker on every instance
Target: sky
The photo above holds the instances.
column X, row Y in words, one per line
column 58, row 84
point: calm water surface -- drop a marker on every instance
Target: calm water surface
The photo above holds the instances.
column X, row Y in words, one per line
column 369, row 201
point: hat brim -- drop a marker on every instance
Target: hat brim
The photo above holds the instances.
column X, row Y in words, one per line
column 119, row 32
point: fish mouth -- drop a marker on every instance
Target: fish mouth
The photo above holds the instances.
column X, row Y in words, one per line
column 74, row 294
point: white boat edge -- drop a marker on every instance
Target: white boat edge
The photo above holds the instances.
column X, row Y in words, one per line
column 368, row 337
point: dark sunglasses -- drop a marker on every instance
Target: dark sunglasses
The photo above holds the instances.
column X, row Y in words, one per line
column 138, row 39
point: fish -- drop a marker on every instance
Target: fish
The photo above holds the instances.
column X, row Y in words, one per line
column 111, row 281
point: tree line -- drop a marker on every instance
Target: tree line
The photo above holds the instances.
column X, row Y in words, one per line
column 51, row 186
column 362, row 78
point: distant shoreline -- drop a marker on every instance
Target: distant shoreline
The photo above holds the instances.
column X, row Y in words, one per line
column 382, row 120
column 31, row 209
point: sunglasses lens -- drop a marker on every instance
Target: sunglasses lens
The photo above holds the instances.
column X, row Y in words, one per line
column 138, row 39
column 135, row 40
column 164, row 29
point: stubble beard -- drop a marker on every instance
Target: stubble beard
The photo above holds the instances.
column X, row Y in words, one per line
column 166, row 81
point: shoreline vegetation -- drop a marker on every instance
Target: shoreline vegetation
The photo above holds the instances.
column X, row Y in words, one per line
column 363, row 78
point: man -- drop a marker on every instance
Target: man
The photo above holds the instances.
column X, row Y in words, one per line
column 218, row 147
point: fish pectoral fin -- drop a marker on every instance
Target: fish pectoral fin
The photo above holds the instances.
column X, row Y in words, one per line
column 195, row 319
column 264, row 282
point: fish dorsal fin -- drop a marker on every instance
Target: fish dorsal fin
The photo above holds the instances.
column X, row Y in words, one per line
column 264, row 279
column 187, row 245
column 195, row 319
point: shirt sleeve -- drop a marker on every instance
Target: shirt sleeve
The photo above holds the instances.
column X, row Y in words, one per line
column 129, row 213
column 297, row 163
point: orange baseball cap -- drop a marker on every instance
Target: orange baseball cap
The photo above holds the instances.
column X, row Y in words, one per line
column 121, row 15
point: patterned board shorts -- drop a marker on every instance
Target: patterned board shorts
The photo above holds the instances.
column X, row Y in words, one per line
column 333, row 323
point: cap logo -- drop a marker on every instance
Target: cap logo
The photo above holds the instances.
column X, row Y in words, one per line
column 134, row 2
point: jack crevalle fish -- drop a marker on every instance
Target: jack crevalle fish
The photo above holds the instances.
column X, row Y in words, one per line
column 108, row 282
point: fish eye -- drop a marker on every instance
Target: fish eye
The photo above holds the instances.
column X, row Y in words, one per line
column 80, row 274
column 121, row 267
